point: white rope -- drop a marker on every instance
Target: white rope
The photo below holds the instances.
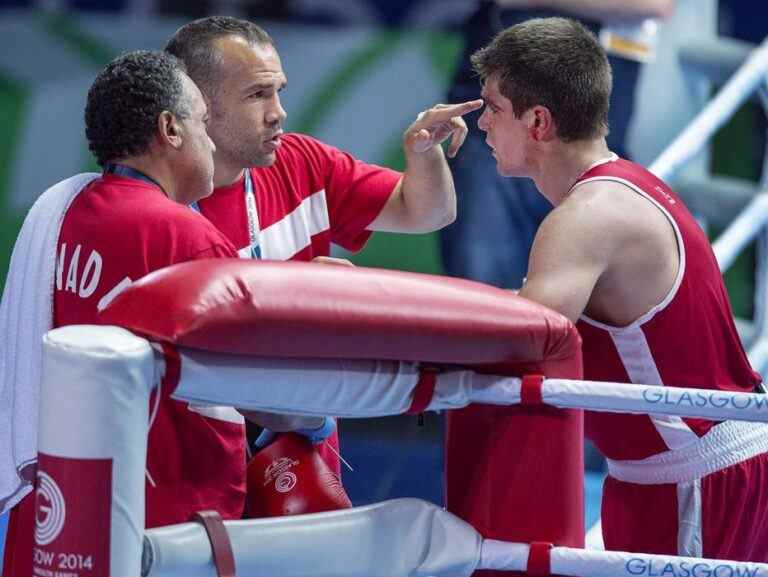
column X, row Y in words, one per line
column 649, row 399
column 503, row 556
column 633, row 398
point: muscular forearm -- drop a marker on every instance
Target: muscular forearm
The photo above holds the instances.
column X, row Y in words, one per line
column 428, row 196
column 601, row 9
column 425, row 199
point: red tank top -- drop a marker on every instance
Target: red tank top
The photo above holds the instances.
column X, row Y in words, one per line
column 688, row 339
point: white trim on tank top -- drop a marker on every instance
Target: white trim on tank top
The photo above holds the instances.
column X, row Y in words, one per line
column 630, row 341
column 647, row 316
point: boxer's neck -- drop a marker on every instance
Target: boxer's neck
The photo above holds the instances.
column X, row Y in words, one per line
column 564, row 163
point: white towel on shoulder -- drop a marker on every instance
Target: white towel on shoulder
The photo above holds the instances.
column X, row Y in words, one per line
column 26, row 314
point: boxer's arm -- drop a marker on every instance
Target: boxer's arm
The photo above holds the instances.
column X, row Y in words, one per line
column 572, row 248
column 424, row 199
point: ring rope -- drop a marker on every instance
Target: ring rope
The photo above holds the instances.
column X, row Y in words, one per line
column 636, row 398
column 506, row 556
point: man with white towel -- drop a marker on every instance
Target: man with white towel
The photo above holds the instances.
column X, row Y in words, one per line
column 146, row 125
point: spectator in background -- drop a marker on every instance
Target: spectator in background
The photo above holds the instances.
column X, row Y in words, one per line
column 748, row 21
column 146, row 126
column 498, row 217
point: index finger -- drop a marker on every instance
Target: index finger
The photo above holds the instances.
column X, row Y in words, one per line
column 448, row 111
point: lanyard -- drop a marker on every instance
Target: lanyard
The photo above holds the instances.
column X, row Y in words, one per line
column 253, row 250
column 122, row 170
column 253, row 217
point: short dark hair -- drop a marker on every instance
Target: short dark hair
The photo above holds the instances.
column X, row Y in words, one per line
column 193, row 44
column 125, row 100
column 553, row 62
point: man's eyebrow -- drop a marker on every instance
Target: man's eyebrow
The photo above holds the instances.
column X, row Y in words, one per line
column 264, row 84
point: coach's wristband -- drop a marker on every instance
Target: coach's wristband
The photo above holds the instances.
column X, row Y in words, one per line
column 321, row 433
column 265, row 438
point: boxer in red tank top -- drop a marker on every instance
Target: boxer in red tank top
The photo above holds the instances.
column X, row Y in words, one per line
column 622, row 257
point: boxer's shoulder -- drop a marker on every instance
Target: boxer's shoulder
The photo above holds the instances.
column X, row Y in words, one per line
column 610, row 211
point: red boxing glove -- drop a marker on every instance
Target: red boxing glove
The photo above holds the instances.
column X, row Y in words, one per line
column 289, row 477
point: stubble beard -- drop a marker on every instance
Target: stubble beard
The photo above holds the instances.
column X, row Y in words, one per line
column 243, row 155
column 246, row 152
column 236, row 146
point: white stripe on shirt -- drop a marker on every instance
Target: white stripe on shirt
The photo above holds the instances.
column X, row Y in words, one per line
column 286, row 237
column 641, row 368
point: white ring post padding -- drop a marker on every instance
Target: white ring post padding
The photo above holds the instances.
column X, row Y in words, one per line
column 343, row 388
column 340, row 387
column 502, row 556
column 94, row 399
column 650, row 399
column 398, row 538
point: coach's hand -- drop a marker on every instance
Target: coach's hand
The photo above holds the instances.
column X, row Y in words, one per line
column 434, row 126
column 280, row 423
column 333, row 261
column 315, row 434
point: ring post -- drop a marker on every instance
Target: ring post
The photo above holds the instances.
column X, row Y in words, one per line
column 92, row 452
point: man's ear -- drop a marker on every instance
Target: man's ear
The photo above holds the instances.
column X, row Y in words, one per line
column 169, row 130
column 542, row 126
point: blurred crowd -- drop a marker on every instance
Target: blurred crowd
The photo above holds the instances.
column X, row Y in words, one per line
column 745, row 20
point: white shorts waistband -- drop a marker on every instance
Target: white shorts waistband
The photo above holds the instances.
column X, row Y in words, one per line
column 726, row 444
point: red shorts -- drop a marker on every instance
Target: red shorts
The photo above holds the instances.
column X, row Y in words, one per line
column 724, row 515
